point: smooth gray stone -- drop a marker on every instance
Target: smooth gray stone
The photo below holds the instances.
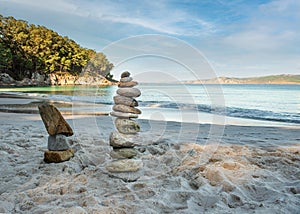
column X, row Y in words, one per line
column 127, row 84
column 123, row 153
column 129, row 92
column 127, row 126
column 58, row 142
column 123, row 115
column 119, row 140
column 125, row 74
column 124, row 165
column 125, row 101
column 126, row 79
column 126, row 109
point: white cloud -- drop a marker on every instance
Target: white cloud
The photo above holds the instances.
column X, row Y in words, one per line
column 161, row 17
column 239, row 35
column 157, row 16
column 53, row 5
column 273, row 27
column 260, row 40
column 283, row 7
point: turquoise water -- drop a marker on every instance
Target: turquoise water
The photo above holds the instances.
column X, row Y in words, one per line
column 276, row 103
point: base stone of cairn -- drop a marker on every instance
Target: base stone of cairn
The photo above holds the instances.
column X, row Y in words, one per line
column 58, row 129
column 125, row 138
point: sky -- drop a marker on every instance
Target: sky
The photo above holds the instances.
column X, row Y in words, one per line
column 187, row 39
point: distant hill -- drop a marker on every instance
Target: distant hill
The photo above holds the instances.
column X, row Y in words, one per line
column 272, row 79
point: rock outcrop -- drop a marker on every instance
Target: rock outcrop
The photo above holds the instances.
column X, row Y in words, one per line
column 57, row 78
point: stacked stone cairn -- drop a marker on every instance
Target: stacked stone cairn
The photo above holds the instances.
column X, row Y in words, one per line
column 124, row 139
column 58, row 129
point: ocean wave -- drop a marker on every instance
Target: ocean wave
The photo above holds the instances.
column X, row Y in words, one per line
column 255, row 114
column 231, row 111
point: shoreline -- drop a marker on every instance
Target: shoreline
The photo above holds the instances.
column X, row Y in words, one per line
column 14, row 103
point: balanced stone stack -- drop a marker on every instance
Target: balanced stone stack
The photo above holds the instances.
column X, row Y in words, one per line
column 124, row 139
column 58, row 129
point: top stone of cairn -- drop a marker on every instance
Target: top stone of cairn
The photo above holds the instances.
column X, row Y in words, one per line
column 54, row 121
column 125, row 74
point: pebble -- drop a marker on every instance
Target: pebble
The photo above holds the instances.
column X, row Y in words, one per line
column 126, row 109
column 58, row 143
column 124, row 165
column 125, row 74
column 123, row 153
column 123, row 115
column 119, row 140
column 125, row 101
column 126, row 79
column 127, row 126
column 129, row 92
column 127, row 84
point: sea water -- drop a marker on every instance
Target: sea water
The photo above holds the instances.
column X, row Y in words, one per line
column 247, row 104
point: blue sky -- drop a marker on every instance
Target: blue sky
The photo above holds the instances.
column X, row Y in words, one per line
column 239, row 37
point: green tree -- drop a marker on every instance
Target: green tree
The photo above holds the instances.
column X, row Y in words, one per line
column 99, row 64
column 25, row 49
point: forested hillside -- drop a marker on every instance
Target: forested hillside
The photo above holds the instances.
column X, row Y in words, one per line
column 27, row 48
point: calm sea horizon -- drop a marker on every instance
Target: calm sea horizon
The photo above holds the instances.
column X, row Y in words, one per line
column 247, row 104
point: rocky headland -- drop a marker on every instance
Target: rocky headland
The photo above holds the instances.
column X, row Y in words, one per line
column 272, row 79
column 57, row 78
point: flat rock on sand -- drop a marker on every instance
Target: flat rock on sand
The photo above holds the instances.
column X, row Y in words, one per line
column 54, row 121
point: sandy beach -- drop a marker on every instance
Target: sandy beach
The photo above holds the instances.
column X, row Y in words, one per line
column 252, row 169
